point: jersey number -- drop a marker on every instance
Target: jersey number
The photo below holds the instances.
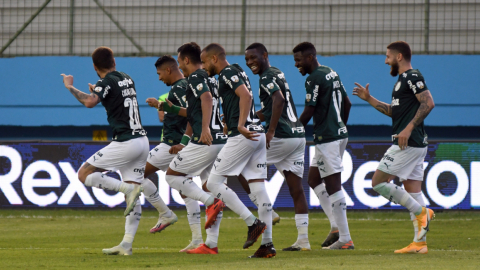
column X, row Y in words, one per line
column 290, row 113
column 133, row 113
column 337, row 102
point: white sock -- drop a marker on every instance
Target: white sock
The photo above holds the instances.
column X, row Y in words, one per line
column 131, row 225
column 322, row 195
column 151, row 194
column 340, row 214
column 419, row 198
column 103, row 181
column 264, row 209
column 398, row 195
column 301, row 220
column 189, row 189
column 219, row 190
column 193, row 216
column 212, row 232
column 253, row 198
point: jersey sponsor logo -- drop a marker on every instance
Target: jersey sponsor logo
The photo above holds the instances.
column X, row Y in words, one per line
column 331, row 75
column 299, row 163
column 98, row 89
column 397, row 86
column 220, row 136
column 315, row 93
column 105, row 93
column 412, row 86
column 264, row 165
column 336, row 84
column 308, row 97
column 270, row 86
column 129, row 92
column 395, row 102
column 264, row 88
column 227, row 81
column 234, row 78
column 298, row 129
column 388, row 157
column 420, row 85
column 342, row 130
column 141, row 171
column 126, row 82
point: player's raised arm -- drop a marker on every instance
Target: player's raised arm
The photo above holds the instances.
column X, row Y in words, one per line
column 244, row 105
column 364, row 93
column 88, row 100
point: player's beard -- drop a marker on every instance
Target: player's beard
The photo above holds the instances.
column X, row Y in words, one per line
column 394, row 69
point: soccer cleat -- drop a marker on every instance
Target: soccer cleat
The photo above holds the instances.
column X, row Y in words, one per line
column 298, row 247
column 414, row 247
column 275, row 218
column 265, row 251
column 340, row 245
column 254, row 232
column 117, row 250
column 131, row 198
column 203, row 249
column 164, row 222
column 423, row 220
column 191, row 246
column 212, row 212
column 332, row 237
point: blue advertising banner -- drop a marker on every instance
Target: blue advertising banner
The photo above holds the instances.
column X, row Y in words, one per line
column 44, row 174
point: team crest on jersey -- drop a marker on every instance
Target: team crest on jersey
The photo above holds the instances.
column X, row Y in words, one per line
column 308, row 97
column 420, row 85
column 184, row 98
column 98, row 89
column 234, row 78
column 270, row 86
column 199, row 87
column 397, row 86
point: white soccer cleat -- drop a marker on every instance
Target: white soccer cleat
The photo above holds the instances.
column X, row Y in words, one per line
column 192, row 245
column 164, row 222
column 275, row 218
column 299, row 246
column 131, row 198
column 117, row 250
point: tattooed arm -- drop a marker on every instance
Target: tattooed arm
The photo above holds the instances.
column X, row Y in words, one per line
column 364, row 93
column 89, row 100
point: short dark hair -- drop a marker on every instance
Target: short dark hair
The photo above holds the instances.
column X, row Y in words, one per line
column 305, row 48
column 166, row 59
column 192, row 51
column 401, row 47
column 259, row 46
column 216, row 49
column 103, row 58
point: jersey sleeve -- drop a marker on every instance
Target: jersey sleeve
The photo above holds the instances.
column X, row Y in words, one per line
column 177, row 95
column 313, row 86
column 199, row 86
column 232, row 79
column 269, row 85
column 416, row 83
column 101, row 89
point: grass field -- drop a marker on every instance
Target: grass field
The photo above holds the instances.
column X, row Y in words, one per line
column 73, row 239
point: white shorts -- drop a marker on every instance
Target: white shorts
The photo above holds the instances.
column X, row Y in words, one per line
column 128, row 157
column 243, row 156
column 287, row 154
column 196, row 160
column 328, row 157
column 159, row 156
column 406, row 164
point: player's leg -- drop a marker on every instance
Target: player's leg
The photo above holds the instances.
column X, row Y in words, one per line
column 244, row 183
column 193, row 216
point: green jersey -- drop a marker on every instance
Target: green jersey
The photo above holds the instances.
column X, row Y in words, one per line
column 174, row 125
column 326, row 93
column 405, row 105
column 119, row 97
column 198, row 84
column 272, row 80
column 229, row 79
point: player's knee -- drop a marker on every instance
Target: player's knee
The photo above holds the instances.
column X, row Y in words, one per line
column 82, row 174
column 313, row 183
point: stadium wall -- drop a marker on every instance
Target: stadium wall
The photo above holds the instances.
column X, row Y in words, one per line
column 34, row 175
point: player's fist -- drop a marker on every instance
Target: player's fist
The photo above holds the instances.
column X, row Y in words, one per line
column 67, row 80
column 153, row 102
column 362, row 92
column 91, row 87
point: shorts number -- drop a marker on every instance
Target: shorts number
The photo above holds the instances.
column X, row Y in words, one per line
column 132, row 105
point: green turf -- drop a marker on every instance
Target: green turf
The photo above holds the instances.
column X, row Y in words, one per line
column 73, row 239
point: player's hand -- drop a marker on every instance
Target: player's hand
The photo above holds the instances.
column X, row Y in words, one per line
column 169, row 102
column 206, row 136
column 361, row 92
column 403, row 138
column 153, row 102
column 67, row 80
column 176, row 148
column 225, row 127
column 251, row 135
column 91, row 87
column 269, row 137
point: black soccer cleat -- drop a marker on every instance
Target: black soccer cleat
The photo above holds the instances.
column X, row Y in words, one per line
column 331, row 238
column 265, row 251
column 254, row 232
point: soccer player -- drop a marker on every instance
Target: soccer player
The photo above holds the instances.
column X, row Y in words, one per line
column 129, row 149
column 244, row 154
column 328, row 103
column 285, row 138
column 411, row 104
column 161, row 114
column 206, row 141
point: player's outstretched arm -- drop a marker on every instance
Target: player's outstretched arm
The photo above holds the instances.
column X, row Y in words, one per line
column 244, row 105
column 207, row 105
column 88, row 100
column 364, row 93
